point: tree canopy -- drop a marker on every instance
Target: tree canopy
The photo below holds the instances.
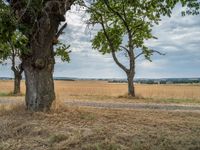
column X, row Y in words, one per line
column 14, row 31
column 136, row 18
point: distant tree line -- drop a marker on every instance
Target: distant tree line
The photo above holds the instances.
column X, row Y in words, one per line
column 162, row 81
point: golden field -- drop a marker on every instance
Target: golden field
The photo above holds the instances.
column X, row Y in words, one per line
column 104, row 91
column 74, row 128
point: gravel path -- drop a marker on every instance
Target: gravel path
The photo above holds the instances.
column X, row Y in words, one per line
column 117, row 105
column 151, row 106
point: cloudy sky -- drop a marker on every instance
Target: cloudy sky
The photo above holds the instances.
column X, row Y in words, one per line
column 178, row 37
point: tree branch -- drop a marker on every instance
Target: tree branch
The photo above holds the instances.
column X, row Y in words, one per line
column 151, row 51
column 61, row 31
column 118, row 14
column 139, row 55
column 124, row 11
column 118, row 63
column 155, row 51
column 112, row 48
column 101, row 21
column 126, row 49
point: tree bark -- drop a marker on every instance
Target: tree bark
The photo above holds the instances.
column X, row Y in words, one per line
column 17, row 70
column 39, row 86
column 131, row 88
column 39, row 66
column 17, row 82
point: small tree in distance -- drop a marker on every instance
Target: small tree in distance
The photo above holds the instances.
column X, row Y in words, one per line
column 128, row 19
column 11, row 50
column 12, row 45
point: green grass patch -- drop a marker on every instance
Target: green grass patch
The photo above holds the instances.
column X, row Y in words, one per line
column 4, row 94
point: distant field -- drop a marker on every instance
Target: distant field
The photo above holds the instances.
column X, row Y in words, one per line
column 101, row 90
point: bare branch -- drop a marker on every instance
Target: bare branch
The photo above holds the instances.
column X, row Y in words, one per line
column 155, row 51
column 61, row 31
column 126, row 49
column 118, row 63
column 151, row 51
column 139, row 55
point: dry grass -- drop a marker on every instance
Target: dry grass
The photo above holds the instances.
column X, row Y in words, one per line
column 100, row 88
column 98, row 129
column 103, row 91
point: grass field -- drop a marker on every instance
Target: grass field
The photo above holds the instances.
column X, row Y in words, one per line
column 73, row 128
column 103, row 91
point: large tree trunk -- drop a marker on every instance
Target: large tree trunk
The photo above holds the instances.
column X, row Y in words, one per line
column 39, row 86
column 39, row 65
column 17, row 81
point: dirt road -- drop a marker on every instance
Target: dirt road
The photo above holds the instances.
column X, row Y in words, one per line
column 117, row 105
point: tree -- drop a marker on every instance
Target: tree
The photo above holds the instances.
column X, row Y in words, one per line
column 125, row 26
column 12, row 49
column 12, row 44
column 39, row 21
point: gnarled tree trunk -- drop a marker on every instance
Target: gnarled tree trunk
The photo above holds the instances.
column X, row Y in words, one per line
column 39, row 86
column 39, row 66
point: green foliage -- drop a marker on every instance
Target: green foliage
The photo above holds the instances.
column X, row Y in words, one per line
column 131, row 19
column 12, row 41
column 100, row 42
column 7, row 22
column 15, row 46
column 63, row 52
column 192, row 7
column 20, row 42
